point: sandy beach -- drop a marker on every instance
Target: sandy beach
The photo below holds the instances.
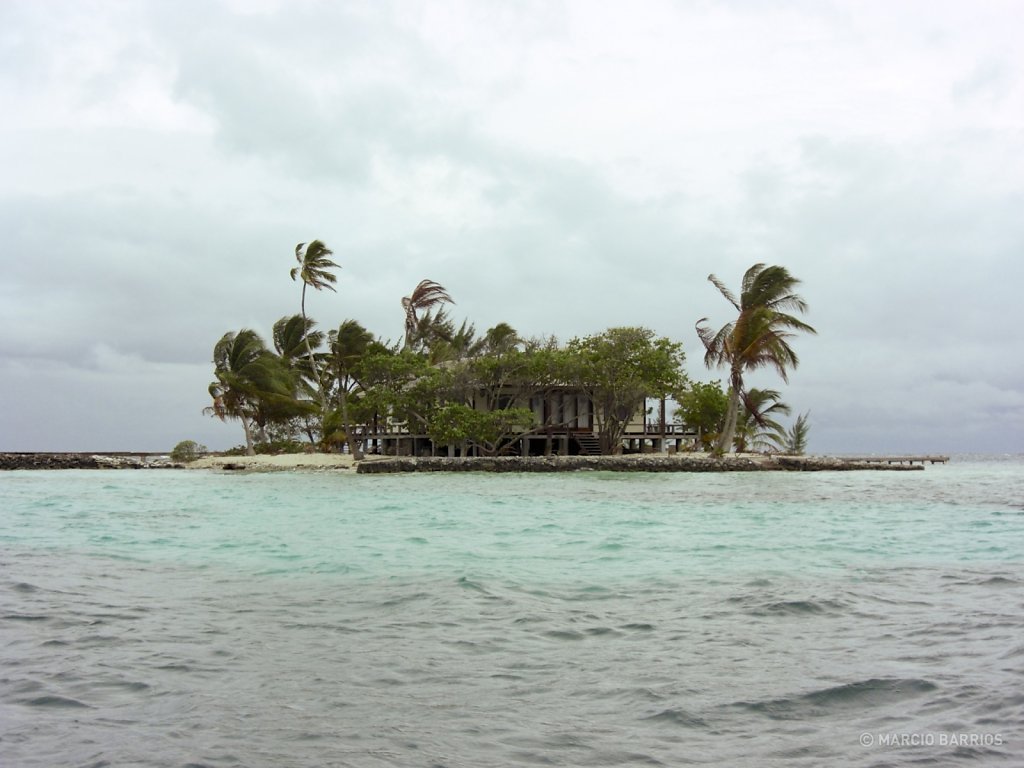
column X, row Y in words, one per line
column 287, row 461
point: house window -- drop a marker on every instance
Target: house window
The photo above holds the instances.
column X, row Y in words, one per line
column 569, row 404
column 537, row 404
column 583, row 412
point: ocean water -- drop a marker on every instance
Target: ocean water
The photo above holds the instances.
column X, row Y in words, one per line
column 187, row 618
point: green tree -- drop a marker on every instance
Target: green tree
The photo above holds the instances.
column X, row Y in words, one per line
column 397, row 387
column 188, row 450
column 758, row 338
column 314, row 271
column 703, row 408
column 619, row 369
column 491, row 432
column 252, row 384
column 456, row 403
column 498, row 370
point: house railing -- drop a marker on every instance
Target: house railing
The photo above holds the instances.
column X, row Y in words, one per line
column 654, row 429
column 647, row 429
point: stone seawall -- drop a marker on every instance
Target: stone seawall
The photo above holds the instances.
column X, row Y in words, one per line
column 630, row 463
column 382, row 465
column 82, row 461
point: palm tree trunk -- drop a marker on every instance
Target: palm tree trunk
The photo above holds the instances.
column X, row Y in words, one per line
column 353, row 444
column 312, row 365
column 724, row 444
column 249, row 449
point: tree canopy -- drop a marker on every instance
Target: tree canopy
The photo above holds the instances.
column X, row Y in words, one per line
column 620, row 369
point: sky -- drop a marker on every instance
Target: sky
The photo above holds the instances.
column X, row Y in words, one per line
column 563, row 166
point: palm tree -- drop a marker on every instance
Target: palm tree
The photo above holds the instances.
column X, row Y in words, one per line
column 293, row 336
column 425, row 296
column 756, row 429
column 796, row 438
column 436, row 337
column 757, row 338
column 501, row 339
column 349, row 344
column 314, row 270
column 251, row 382
column 432, row 337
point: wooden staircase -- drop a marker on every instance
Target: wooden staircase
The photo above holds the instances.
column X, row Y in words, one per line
column 589, row 445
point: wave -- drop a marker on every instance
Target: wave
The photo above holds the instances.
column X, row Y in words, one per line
column 863, row 694
column 757, row 606
column 56, row 701
column 678, row 717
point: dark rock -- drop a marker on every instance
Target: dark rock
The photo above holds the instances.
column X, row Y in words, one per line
column 631, row 463
column 83, row 461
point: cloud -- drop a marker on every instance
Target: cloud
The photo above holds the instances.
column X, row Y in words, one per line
column 561, row 167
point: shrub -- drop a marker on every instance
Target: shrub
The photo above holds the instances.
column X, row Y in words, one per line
column 277, row 447
column 268, row 447
column 187, row 450
column 796, row 438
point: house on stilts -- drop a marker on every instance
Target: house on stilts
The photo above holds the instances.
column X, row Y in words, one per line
column 565, row 422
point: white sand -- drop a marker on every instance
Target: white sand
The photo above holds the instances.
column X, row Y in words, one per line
column 308, row 461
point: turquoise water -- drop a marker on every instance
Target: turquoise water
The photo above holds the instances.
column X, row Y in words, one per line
column 173, row 618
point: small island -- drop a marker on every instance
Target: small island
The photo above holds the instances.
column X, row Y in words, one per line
column 445, row 399
column 445, row 391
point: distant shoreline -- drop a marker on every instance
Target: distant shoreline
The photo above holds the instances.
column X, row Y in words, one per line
column 686, row 462
column 372, row 464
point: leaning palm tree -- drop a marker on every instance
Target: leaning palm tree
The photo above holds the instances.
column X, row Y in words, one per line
column 293, row 335
column 425, row 296
column 349, row 345
column 250, row 382
column 758, row 338
column 315, row 271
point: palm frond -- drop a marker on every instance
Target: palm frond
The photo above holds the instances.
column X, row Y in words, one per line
column 315, row 265
column 348, row 344
column 425, row 296
column 724, row 290
column 290, row 334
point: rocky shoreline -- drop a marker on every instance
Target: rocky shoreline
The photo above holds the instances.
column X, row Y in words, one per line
column 631, row 463
column 404, row 464
column 85, row 461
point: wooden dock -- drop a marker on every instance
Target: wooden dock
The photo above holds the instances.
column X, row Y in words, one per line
column 897, row 459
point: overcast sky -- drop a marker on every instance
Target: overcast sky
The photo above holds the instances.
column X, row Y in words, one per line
column 564, row 167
